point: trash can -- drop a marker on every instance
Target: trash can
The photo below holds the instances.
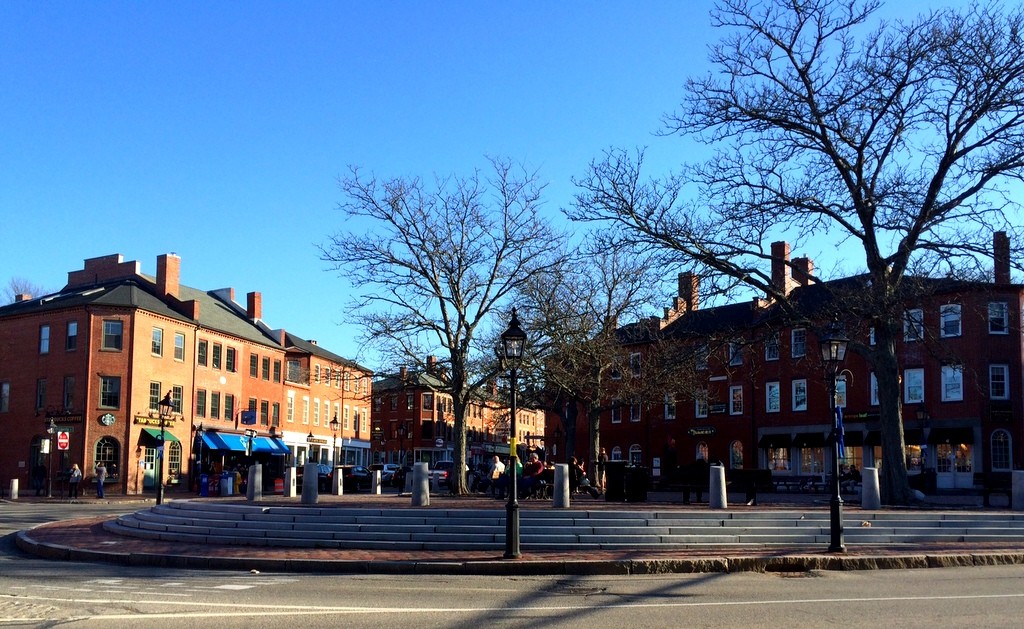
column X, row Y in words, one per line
column 615, row 481
column 637, row 480
column 204, row 485
column 226, row 481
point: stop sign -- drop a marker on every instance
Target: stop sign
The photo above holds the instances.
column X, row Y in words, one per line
column 63, row 440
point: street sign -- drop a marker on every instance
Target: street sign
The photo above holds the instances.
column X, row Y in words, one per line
column 63, row 440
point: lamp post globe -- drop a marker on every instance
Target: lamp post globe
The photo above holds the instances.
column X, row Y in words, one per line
column 510, row 354
column 833, row 351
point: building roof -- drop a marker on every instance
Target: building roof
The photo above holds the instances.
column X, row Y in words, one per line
column 297, row 343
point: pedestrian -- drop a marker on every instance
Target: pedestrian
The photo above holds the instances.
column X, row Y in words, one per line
column 39, row 478
column 101, row 476
column 73, row 479
column 602, row 462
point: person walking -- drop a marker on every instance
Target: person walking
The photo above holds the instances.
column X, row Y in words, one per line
column 101, row 476
column 74, row 478
column 602, row 463
column 39, row 479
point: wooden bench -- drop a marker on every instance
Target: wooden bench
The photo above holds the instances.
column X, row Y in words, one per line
column 812, row 482
column 994, row 483
column 750, row 482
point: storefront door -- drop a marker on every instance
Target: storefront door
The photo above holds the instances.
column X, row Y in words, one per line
column 149, row 469
column 954, row 465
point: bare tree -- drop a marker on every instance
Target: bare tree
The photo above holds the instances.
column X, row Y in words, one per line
column 435, row 263
column 21, row 286
column 899, row 140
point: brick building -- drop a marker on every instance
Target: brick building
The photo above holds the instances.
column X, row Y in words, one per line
column 760, row 399
column 94, row 361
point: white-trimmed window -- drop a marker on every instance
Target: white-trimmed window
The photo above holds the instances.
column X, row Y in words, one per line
column 636, row 455
column 772, row 397
column 702, row 451
column 700, row 356
column 616, row 412
column 344, row 417
column 949, row 320
column 913, row 325
column 670, row 406
column 735, row 354
column 290, row 407
column 700, row 404
column 1001, row 451
column 952, row 383
column 771, row 347
column 999, row 382
column 998, row 315
column 913, row 386
column 305, row 409
column 800, row 395
column 316, row 411
column 871, row 336
column 179, row 346
column 798, row 343
column 44, row 339
column 736, row 400
column 634, row 412
column 874, row 389
column 634, row 364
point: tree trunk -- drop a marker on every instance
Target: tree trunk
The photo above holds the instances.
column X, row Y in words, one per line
column 895, row 490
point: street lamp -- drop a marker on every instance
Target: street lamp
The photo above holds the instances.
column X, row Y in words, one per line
column 335, row 425
column 166, row 406
column 310, row 440
column 833, row 351
column 510, row 354
column 52, row 431
column 198, row 470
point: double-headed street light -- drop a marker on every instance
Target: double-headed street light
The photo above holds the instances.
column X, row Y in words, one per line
column 833, row 352
column 510, row 354
column 166, row 406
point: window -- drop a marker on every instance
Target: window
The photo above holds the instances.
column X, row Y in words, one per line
column 218, row 350
column 670, row 407
column 71, row 340
column 40, row 393
column 157, row 345
column 1001, row 451
column 736, row 400
column 179, row 346
column 200, row 403
column 5, row 397
column 735, row 354
column 154, row 396
column 44, row 339
column 736, row 455
column 409, row 402
column 229, row 406
column 874, row 389
column 998, row 382
column 264, row 413
column 634, row 412
column 798, row 343
column 701, row 355
column 634, row 364
column 110, row 391
column 702, row 451
column 202, row 351
column 254, row 365
column 913, row 386
column 913, row 325
column 108, row 452
column 771, row 347
column 275, row 414
column 997, row 318
column 616, row 412
column 69, row 393
column 428, row 401
column 305, row 409
column 772, row 397
column 174, row 459
column 215, row 405
column 949, row 320
column 316, row 412
column 800, row 395
column 344, row 418
column 294, row 369
column 230, row 355
column 290, row 407
column 700, row 404
column 394, row 402
column 277, row 371
column 177, row 396
column 615, row 373
column 952, row 383
column 113, row 330
column 871, row 336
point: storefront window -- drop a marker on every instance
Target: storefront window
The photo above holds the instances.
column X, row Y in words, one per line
column 778, row 459
column 812, row 460
column 915, row 458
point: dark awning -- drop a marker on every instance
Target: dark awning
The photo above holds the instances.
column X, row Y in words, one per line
column 153, row 434
column 874, row 438
column 913, row 436
column 782, row 440
column 809, row 440
column 951, row 435
column 853, row 438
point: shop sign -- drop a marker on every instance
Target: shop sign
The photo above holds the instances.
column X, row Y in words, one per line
column 701, row 431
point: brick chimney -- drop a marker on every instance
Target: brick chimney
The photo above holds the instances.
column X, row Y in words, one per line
column 431, row 364
column 254, row 306
column 1001, row 257
column 168, row 275
column 781, row 279
column 689, row 290
column 403, row 373
column 103, row 269
column 20, row 297
column 803, row 270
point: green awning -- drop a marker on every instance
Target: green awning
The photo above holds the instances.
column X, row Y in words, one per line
column 154, row 433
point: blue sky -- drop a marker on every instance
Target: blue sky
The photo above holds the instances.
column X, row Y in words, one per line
column 217, row 130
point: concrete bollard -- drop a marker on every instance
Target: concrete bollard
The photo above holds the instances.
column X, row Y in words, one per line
column 254, row 486
column 290, row 475
column 420, row 485
column 310, row 489
column 14, row 489
column 560, row 497
column 870, row 495
column 409, row 481
column 338, row 482
column 1017, row 491
column 375, row 483
column 716, row 488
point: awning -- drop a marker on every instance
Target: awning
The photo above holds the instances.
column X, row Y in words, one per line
column 223, row 441
column 809, row 440
column 783, row 440
column 874, row 438
column 913, row 436
column 951, row 435
column 154, row 434
column 853, row 438
column 273, row 445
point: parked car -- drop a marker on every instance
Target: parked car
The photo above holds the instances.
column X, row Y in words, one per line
column 442, row 471
column 355, row 478
column 398, row 479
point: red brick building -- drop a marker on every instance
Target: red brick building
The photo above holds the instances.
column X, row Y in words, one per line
column 94, row 361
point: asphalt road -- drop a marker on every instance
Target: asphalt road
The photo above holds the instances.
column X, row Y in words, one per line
column 39, row 593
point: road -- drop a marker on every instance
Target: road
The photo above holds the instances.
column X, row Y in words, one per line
column 36, row 593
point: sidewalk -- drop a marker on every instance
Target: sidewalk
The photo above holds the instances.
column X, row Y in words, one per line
column 86, row 540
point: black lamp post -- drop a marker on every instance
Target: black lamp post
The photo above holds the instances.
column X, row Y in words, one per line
column 833, row 351
column 310, row 440
column 510, row 353
column 335, row 425
column 166, row 406
column 198, row 469
column 52, row 431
